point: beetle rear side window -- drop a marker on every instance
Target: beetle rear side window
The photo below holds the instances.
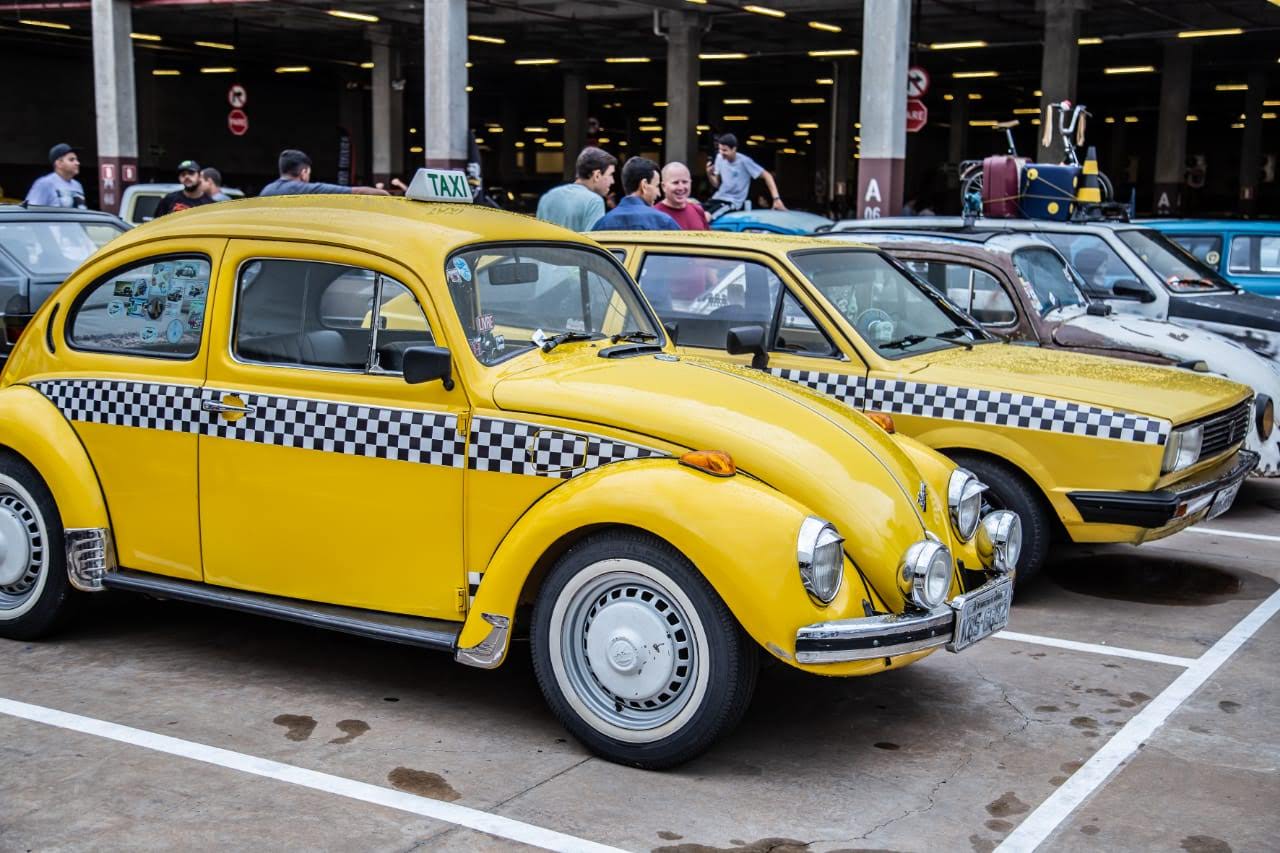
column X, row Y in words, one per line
column 151, row 309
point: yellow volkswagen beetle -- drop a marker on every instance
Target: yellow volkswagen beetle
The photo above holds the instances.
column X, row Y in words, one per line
column 438, row 425
column 1083, row 448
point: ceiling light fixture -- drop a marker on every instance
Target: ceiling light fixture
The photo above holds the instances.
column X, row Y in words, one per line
column 354, row 16
column 216, row 45
column 848, row 51
column 218, row 69
column 956, row 45
column 715, row 56
column 1130, row 69
column 1231, row 87
column 1199, row 34
column 293, row 69
column 537, row 62
column 599, row 87
column 49, row 25
column 826, row 28
column 165, row 72
column 1086, row 40
column 144, row 37
column 764, row 10
column 626, row 60
column 485, row 39
column 973, row 75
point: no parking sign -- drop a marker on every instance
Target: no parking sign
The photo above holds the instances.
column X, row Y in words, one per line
column 237, row 96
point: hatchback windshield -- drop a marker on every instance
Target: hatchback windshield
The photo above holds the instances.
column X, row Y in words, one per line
column 1052, row 282
column 1179, row 270
column 511, row 299
column 54, row 248
column 894, row 313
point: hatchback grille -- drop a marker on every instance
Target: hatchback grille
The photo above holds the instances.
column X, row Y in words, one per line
column 1225, row 429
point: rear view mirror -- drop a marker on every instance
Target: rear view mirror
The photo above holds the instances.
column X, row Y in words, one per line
column 1127, row 288
column 512, row 273
column 748, row 339
column 426, row 364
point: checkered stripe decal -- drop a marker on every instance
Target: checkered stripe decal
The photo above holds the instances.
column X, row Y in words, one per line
column 148, row 405
column 513, row 447
column 405, row 435
column 977, row 405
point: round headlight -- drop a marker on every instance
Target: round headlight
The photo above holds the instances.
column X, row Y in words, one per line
column 1000, row 540
column 926, row 574
column 964, row 499
column 820, row 555
column 1265, row 412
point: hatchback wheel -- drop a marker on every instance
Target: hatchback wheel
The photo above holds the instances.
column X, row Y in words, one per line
column 1009, row 488
column 636, row 653
column 34, row 590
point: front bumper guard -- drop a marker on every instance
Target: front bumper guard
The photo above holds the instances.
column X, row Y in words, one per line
column 1156, row 509
column 886, row 635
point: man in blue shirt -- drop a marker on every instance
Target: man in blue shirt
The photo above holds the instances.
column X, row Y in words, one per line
column 295, row 179
column 59, row 188
column 641, row 181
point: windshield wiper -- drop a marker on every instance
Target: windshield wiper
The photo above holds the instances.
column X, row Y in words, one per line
column 948, row 337
column 637, row 336
column 547, row 343
column 952, row 334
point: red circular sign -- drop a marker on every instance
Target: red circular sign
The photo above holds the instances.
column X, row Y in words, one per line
column 238, row 122
column 917, row 115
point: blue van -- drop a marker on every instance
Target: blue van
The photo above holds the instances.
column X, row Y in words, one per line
column 1246, row 253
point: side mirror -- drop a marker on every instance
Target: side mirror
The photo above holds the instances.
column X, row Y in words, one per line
column 426, row 364
column 1127, row 288
column 1099, row 309
column 748, row 339
column 673, row 332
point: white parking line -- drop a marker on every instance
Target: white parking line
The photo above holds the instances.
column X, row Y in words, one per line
column 1094, row 648
column 470, row 818
column 1050, row 814
column 1216, row 531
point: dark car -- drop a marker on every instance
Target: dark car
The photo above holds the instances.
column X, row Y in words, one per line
column 39, row 248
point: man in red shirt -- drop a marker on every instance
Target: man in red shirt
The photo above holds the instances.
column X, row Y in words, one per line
column 676, row 183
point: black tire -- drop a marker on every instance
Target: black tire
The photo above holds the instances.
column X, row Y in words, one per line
column 34, row 604
column 1009, row 488
column 637, row 589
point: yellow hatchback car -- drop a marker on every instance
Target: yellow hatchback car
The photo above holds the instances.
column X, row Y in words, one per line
column 1090, row 449
column 437, row 425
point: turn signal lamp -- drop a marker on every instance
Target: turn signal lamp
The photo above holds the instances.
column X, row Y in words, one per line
column 882, row 419
column 717, row 463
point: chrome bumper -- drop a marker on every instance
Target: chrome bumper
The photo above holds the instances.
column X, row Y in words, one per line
column 884, row 636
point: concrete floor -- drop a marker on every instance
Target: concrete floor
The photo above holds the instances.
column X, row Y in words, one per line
column 950, row 754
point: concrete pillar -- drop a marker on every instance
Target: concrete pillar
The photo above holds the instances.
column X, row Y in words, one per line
column 886, row 35
column 1251, row 145
column 1059, row 65
column 114, row 100
column 387, row 107
column 446, row 127
column 1171, row 132
column 843, row 93
column 684, row 41
column 575, row 119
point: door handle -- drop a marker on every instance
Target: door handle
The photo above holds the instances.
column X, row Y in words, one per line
column 225, row 408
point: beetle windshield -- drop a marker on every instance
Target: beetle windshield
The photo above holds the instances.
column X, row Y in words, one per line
column 512, row 298
column 1052, row 281
column 891, row 311
column 54, row 248
column 1179, row 269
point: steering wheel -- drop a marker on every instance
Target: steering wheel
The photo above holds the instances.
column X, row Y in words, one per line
column 874, row 324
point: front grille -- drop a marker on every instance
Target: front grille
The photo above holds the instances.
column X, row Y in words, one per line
column 1225, row 429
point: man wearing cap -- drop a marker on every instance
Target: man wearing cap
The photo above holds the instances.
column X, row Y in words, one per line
column 59, row 188
column 192, row 193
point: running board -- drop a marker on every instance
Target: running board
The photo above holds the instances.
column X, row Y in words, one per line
column 439, row 634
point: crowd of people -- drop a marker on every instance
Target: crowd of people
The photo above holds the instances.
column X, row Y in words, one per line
column 654, row 198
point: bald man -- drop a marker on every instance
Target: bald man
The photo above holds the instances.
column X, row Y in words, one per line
column 676, row 183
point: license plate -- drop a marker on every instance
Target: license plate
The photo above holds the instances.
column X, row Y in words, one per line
column 1222, row 502
column 982, row 615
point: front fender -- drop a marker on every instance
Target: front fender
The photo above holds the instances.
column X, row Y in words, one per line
column 738, row 532
column 936, row 470
column 32, row 427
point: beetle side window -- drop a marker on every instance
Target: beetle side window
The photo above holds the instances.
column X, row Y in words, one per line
column 150, row 309
column 321, row 315
column 706, row 297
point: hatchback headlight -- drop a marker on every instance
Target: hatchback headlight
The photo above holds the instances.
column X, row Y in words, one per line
column 925, row 577
column 1264, row 415
column 820, row 555
column 1000, row 540
column 1182, row 449
column 964, row 499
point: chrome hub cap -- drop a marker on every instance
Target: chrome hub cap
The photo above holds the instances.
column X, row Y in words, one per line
column 22, row 550
column 627, row 652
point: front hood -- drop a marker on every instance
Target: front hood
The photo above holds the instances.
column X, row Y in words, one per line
column 818, row 452
column 1241, row 308
column 1169, row 393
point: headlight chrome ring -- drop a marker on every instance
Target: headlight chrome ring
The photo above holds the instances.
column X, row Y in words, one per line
column 964, row 500
column 925, row 575
column 1264, row 415
column 1000, row 540
column 820, row 557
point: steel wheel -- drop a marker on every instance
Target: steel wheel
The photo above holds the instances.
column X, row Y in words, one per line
column 23, row 550
column 628, row 650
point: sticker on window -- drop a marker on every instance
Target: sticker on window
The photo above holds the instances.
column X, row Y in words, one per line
column 484, row 323
column 463, row 269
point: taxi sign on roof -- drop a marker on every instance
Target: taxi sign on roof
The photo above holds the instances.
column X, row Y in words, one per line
column 439, row 185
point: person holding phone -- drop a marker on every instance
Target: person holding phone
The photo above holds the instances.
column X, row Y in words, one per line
column 731, row 173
